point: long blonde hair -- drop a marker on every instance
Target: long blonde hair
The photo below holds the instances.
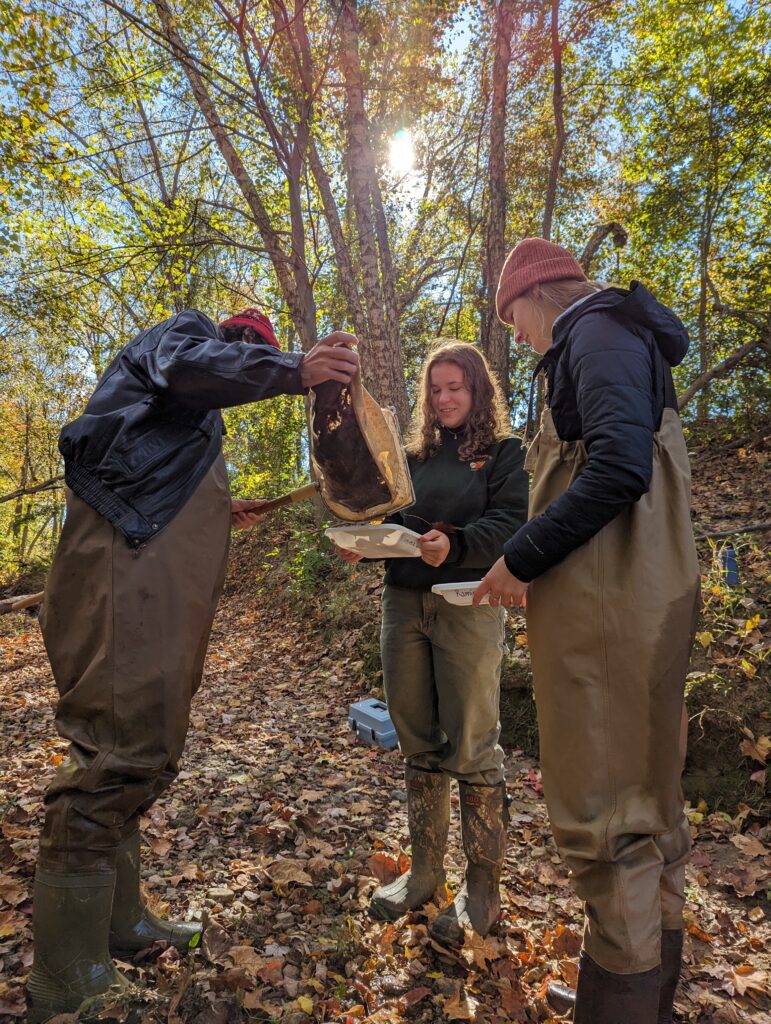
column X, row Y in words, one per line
column 488, row 420
column 562, row 294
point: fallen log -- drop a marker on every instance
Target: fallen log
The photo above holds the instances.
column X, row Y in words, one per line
column 20, row 602
column 719, row 534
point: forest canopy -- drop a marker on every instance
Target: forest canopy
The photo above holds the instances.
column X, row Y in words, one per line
column 365, row 166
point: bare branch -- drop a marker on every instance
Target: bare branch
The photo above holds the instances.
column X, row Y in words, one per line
column 18, row 604
column 599, row 235
column 720, row 370
column 45, row 486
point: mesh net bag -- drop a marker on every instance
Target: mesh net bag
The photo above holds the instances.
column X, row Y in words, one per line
column 357, row 453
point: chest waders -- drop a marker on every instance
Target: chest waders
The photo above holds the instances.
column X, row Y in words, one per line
column 126, row 632
column 610, row 630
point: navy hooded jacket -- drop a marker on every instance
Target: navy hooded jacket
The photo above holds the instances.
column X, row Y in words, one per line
column 609, row 379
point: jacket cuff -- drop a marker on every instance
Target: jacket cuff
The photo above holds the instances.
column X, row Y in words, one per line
column 457, row 548
column 515, row 565
column 294, row 361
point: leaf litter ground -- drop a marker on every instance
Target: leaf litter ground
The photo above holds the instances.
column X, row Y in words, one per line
column 280, row 826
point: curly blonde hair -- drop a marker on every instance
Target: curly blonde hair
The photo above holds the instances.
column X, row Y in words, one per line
column 488, row 420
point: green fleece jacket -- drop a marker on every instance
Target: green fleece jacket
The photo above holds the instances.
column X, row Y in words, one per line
column 485, row 499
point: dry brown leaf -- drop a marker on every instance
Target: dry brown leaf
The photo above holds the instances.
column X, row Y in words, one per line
column 271, row 973
column 479, row 951
column 460, row 1006
column 700, row 934
column 160, row 847
column 10, row 923
column 247, row 958
column 758, row 749
column 11, row 890
column 565, row 942
column 569, row 971
column 750, row 846
column 284, row 872
column 744, row 979
column 386, row 868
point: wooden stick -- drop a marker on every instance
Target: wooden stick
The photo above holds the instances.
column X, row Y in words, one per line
column 301, row 494
column 17, row 604
column 752, row 528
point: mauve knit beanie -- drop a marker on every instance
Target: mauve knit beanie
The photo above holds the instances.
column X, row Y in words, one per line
column 533, row 261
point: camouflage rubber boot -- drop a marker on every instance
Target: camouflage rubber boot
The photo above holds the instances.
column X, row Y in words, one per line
column 72, row 966
column 133, row 927
column 484, row 816
column 428, row 817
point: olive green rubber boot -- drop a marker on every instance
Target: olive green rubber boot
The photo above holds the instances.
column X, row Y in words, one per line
column 72, row 966
column 484, row 816
column 428, row 817
column 133, row 927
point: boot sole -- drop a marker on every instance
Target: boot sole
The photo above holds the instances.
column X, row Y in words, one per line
column 44, row 1009
column 385, row 914
column 128, row 954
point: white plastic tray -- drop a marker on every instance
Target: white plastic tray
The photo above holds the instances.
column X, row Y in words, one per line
column 458, row 593
column 383, row 540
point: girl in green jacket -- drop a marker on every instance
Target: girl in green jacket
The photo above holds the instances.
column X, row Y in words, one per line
column 441, row 662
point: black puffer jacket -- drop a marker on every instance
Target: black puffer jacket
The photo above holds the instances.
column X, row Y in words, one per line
column 152, row 428
column 609, row 380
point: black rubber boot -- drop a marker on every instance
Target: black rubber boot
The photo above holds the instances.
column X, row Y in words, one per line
column 562, row 998
column 133, row 927
column 603, row 997
column 671, row 963
column 484, row 816
column 72, row 969
column 428, row 817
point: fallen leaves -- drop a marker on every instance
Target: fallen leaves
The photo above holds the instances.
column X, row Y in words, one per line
column 286, row 872
column 758, row 749
column 387, row 868
column 743, row 979
column 280, row 827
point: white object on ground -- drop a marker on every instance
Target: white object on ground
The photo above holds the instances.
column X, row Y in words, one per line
column 381, row 540
column 458, row 593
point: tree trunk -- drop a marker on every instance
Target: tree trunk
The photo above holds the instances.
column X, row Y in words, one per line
column 285, row 266
column 382, row 357
column 705, row 348
column 559, row 123
column 495, row 335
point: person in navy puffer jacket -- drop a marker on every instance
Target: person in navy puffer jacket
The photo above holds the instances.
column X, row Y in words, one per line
column 607, row 567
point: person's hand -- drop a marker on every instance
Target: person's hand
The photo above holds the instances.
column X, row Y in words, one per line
column 330, row 359
column 347, row 555
column 434, row 547
column 504, row 589
column 243, row 513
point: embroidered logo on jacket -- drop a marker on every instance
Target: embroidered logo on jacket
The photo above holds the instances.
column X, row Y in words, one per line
column 479, row 463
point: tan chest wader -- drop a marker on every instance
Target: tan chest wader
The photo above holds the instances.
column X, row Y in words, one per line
column 610, row 631
column 126, row 632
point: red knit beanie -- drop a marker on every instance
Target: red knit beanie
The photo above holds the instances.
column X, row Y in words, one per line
column 533, row 261
column 254, row 318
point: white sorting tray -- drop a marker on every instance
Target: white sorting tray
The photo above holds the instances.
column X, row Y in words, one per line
column 383, row 540
column 458, row 593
